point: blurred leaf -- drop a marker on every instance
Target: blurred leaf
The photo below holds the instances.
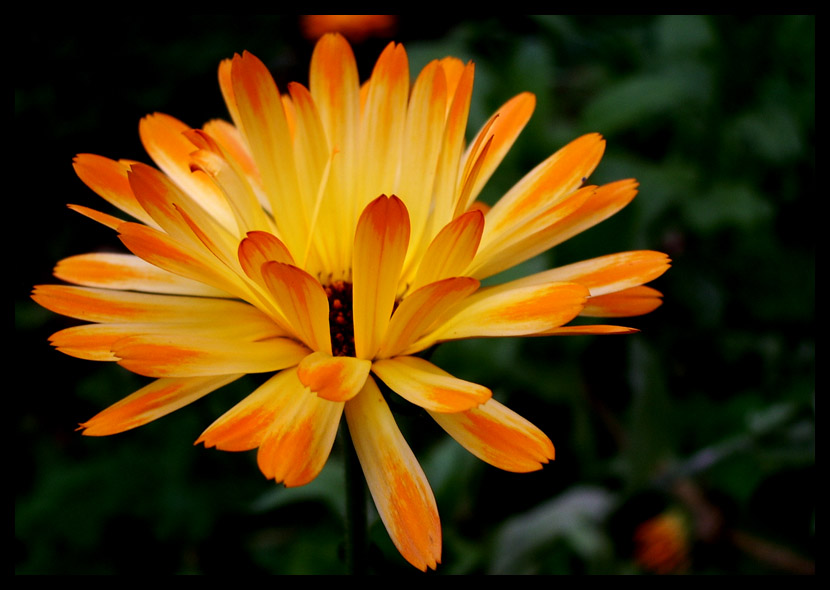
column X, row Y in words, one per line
column 574, row 515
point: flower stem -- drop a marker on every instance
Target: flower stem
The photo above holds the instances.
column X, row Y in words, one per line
column 356, row 516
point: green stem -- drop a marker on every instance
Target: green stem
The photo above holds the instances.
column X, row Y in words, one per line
column 356, row 516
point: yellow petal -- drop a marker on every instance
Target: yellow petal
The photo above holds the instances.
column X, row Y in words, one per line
column 187, row 261
column 419, row 310
column 452, row 250
column 396, row 481
column 151, row 402
column 508, row 122
column 302, row 301
column 511, row 312
column 607, row 274
column 425, row 385
column 264, row 125
column 108, row 179
column 258, row 248
column 559, row 175
column 381, row 241
column 104, row 305
column 626, row 303
column 127, row 272
column 96, row 341
column 293, row 429
column 335, row 378
column 499, row 436
column 382, row 124
column 185, row 355
column 422, row 145
column 166, row 142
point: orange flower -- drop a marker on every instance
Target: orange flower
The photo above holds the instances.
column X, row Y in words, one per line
column 661, row 544
column 263, row 246
column 356, row 27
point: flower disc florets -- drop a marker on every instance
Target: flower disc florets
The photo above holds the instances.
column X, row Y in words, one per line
column 341, row 322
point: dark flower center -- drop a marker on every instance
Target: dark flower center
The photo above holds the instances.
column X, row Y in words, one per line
column 341, row 322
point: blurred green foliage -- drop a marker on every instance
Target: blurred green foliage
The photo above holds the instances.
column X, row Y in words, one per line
column 709, row 410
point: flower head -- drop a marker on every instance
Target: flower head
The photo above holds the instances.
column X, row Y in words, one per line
column 327, row 237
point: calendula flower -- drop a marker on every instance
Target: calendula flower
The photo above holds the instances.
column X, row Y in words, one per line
column 355, row 27
column 662, row 544
column 328, row 236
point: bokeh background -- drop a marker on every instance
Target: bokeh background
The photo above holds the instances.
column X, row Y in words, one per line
column 686, row 448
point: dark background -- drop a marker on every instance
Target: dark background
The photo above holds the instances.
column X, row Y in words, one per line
column 707, row 414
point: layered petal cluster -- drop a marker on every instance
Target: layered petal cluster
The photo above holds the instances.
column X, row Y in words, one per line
column 327, row 236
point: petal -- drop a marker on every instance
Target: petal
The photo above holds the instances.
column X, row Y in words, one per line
column 187, row 261
column 520, row 242
column 165, row 140
column 258, row 248
column 127, row 272
column 108, row 179
column 335, row 378
column 559, row 175
column 607, row 274
column 511, row 312
column 186, row 355
column 382, row 124
column 626, row 303
column 498, row 436
column 425, row 385
column 396, row 481
column 104, row 305
column 264, row 125
column 452, row 250
column 95, row 341
column 381, row 241
column 419, row 310
column 507, row 123
column 446, row 179
column 422, row 145
column 153, row 401
column 293, row 429
column 105, row 219
column 302, row 301
column 582, row 330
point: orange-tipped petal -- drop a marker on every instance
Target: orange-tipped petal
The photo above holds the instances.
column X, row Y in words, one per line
column 151, row 402
column 419, row 310
column 302, row 301
column 511, row 312
column 383, row 123
column 104, row 305
column 108, row 179
column 293, row 429
column 499, row 436
column 187, row 261
column 335, row 378
column 509, row 121
column 165, row 139
column 626, row 303
column 264, row 125
column 127, row 272
column 184, row 355
column 588, row 329
column 559, row 175
column 396, row 481
column 607, row 274
column 452, row 250
column 381, row 241
column 96, row 341
column 425, row 385
column 105, row 219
